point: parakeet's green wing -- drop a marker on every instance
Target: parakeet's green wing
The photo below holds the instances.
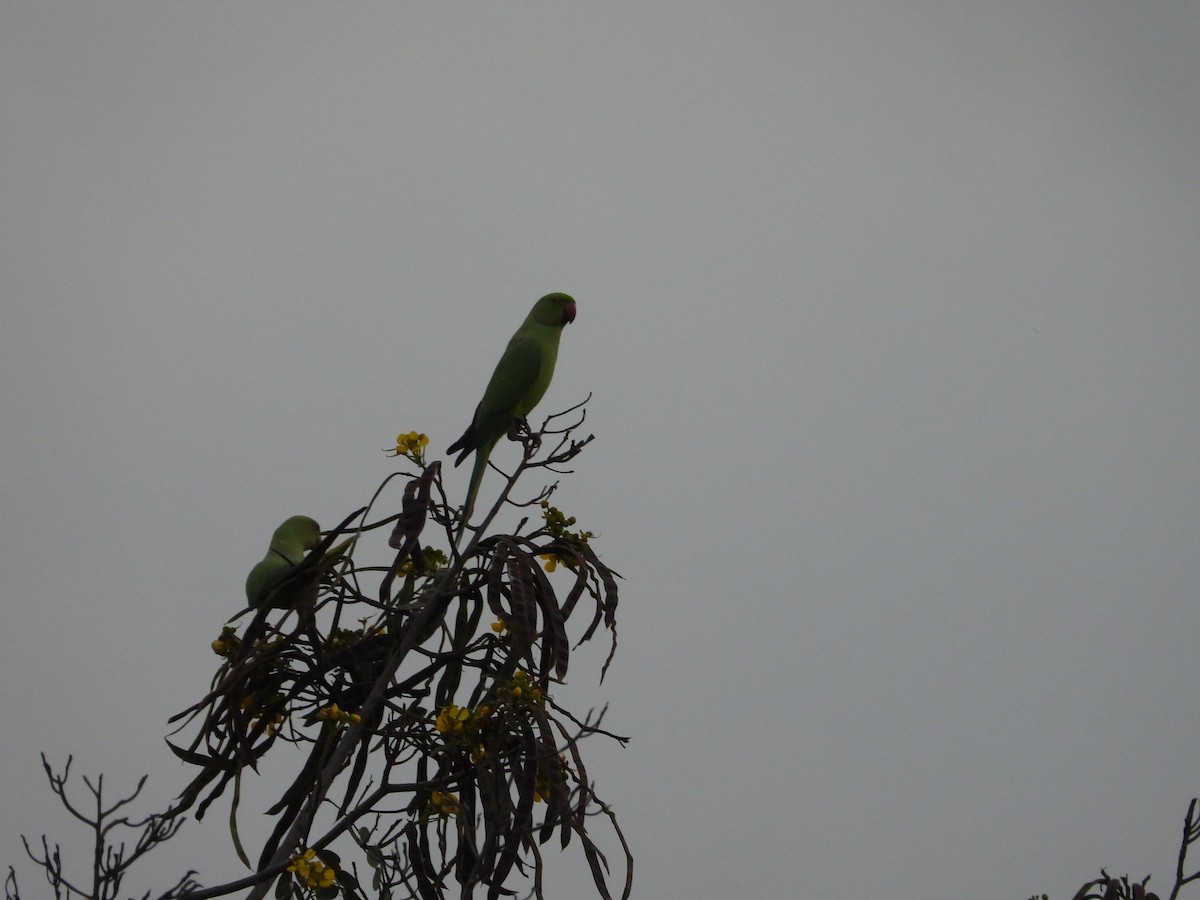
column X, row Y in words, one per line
column 508, row 393
column 512, row 392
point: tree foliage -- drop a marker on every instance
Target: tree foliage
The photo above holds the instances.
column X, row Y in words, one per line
column 420, row 689
column 1107, row 887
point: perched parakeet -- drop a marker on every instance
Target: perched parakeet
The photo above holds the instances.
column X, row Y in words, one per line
column 520, row 380
column 289, row 544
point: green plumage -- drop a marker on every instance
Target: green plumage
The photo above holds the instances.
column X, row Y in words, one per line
column 518, row 383
column 289, row 544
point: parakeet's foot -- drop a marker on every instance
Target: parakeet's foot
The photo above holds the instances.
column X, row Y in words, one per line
column 520, row 431
column 518, row 428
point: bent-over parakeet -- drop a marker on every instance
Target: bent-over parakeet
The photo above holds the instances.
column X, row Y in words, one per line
column 520, row 380
column 289, row 544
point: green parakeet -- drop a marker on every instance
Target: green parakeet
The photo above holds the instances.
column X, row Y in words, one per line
column 520, row 380
column 289, row 544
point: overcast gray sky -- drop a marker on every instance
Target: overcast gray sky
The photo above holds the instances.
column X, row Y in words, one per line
column 890, row 316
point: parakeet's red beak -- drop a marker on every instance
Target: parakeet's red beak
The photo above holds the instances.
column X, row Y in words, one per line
column 568, row 313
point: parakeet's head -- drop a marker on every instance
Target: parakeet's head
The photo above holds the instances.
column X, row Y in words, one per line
column 553, row 309
column 297, row 532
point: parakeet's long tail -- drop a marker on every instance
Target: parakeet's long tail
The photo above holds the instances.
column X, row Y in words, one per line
column 481, row 460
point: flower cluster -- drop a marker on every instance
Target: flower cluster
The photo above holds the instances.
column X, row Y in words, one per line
column 443, row 803
column 522, row 690
column 458, row 720
column 313, row 871
column 333, row 713
column 228, row 643
column 459, row 728
column 431, row 560
column 558, row 525
column 412, row 446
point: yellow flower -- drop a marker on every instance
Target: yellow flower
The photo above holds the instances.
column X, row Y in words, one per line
column 312, row 871
column 452, row 718
column 334, row 713
column 554, row 560
column 412, row 445
column 499, row 625
column 459, row 725
column 227, row 643
column 521, row 689
column 443, row 803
